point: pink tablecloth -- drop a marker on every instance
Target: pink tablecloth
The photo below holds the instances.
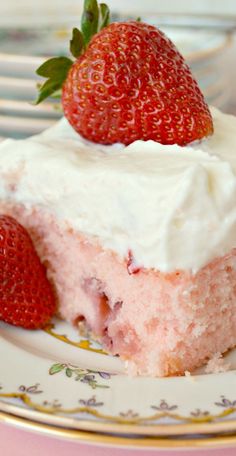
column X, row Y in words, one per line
column 16, row 442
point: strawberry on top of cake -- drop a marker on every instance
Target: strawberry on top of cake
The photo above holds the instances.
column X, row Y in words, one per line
column 128, row 82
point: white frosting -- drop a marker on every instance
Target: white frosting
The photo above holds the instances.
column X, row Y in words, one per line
column 173, row 207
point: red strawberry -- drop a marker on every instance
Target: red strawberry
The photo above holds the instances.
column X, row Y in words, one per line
column 130, row 82
column 26, row 296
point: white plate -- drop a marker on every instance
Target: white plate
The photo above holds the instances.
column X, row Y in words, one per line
column 55, row 380
column 18, row 88
column 24, row 108
column 20, row 65
column 194, row 44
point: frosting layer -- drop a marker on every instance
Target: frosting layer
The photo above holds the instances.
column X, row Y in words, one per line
column 173, row 207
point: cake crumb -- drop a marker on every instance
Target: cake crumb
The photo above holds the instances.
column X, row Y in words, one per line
column 217, row 364
column 189, row 376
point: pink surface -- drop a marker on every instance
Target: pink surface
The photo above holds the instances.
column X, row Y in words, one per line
column 16, row 442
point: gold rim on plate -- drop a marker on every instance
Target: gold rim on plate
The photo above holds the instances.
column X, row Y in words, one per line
column 219, row 441
column 39, row 416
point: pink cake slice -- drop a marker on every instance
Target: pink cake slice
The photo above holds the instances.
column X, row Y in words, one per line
column 161, row 320
column 161, row 323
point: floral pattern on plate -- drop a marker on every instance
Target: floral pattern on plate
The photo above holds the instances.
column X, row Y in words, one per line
column 49, row 373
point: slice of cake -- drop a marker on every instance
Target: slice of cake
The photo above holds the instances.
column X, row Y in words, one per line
column 138, row 235
column 138, row 241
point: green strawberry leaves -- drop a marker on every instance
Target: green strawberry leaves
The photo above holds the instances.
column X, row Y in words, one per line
column 56, row 70
column 104, row 16
column 76, row 43
column 52, row 67
column 94, row 18
column 89, row 21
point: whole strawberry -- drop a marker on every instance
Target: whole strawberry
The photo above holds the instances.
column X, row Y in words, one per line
column 129, row 83
column 26, row 296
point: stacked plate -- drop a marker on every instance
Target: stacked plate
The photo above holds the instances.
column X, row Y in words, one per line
column 63, row 385
column 22, row 51
column 58, row 383
column 18, row 116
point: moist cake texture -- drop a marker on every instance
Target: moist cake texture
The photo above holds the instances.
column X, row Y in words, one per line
column 139, row 242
